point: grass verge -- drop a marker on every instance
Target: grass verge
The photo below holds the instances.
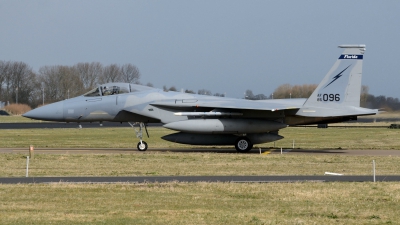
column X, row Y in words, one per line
column 201, row 203
column 17, row 119
column 304, row 137
column 198, row 203
column 193, row 164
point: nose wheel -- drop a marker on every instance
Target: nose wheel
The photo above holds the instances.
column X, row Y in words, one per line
column 142, row 145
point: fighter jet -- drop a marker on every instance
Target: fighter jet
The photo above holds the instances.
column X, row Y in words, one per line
column 210, row 120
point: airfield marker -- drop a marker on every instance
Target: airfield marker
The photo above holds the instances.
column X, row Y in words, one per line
column 31, row 153
column 373, row 168
column 27, row 166
column 293, row 145
column 335, row 174
column 260, row 150
column 281, row 150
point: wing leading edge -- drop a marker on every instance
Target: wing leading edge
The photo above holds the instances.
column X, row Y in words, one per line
column 236, row 104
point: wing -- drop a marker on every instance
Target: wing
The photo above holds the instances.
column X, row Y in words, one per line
column 213, row 104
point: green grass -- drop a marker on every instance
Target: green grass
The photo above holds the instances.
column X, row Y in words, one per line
column 17, row 119
column 198, row 203
column 201, row 203
column 305, row 138
column 176, row 164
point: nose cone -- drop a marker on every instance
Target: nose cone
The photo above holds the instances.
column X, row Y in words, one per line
column 52, row 112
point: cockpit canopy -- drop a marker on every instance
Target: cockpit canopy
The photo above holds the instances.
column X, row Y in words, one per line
column 115, row 89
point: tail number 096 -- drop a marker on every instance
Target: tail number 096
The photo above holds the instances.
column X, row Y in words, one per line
column 328, row 97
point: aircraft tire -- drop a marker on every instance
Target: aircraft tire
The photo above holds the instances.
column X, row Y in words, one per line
column 142, row 147
column 243, row 145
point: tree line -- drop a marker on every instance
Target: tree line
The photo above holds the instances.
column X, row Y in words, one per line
column 199, row 92
column 304, row 91
column 20, row 84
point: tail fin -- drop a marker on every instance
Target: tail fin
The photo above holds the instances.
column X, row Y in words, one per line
column 338, row 94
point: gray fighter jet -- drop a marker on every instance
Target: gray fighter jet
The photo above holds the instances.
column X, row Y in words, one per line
column 209, row 120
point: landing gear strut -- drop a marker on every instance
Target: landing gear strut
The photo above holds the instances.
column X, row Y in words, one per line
column 142, row 145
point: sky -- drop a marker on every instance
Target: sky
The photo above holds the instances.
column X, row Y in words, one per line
column 224, row 46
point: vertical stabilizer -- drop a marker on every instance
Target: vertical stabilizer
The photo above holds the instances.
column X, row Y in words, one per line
column 341, row 87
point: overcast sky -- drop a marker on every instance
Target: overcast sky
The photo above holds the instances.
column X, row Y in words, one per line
column 224, row 46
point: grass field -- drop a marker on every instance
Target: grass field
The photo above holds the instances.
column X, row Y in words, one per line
column 201, row 203
column 180, row 164
column 17, row 119
column 198, row 203
column 305, row 138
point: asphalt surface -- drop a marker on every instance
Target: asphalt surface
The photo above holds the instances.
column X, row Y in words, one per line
column 231, row 179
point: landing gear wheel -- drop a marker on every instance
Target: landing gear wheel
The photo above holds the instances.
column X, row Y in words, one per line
column 243, row 144
column 142, row 146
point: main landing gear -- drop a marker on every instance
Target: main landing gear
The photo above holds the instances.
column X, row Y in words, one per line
column 243, row 144
column 142, row 145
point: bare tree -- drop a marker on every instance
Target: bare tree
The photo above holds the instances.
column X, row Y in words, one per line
column 89, row 74
column 302, row 91
column 364, row 95
column 296, row 91
column 16, row 82
column 204, row 92
column 260, row 97
column 3, row 75
column 249, row 94
column 130, row 73
column 189, row 91
column 60, row 82
column 283, row 91
column 219, row 95
column 111, row 73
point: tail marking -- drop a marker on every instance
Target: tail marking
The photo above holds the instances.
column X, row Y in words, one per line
column 337, row 76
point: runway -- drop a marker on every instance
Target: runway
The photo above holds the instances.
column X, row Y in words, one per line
column 186, row 179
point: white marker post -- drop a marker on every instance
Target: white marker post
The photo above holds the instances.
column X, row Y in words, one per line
column 334, row 174
column 293, row 145
column 281, row 150
column 373, row 168
column 27, row 166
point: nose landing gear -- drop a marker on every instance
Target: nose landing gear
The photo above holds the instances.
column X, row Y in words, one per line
column 142, row 145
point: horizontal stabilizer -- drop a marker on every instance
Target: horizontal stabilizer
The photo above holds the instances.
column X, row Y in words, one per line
column 335, row 112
